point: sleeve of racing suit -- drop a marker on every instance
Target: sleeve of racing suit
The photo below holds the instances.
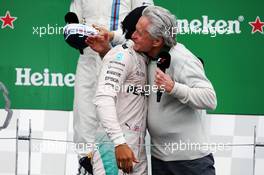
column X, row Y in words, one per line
column 114, row 71
column 118, row 34
column 118, row 38
column 76, row 7
column 194, row 88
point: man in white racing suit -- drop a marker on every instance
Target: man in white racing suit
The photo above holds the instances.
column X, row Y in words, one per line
column 109, row 14
column 122, row 108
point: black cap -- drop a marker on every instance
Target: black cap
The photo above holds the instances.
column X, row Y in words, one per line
column 130, row 21
column 71, row 17
column 77, row 41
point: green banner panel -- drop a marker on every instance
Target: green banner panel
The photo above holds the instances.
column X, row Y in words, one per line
column 232, row 50
column 36, row 64
column 38, row 67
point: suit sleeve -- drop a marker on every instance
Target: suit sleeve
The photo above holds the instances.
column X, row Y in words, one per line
column 115, row 69
column 194, row 88
column 118, row 38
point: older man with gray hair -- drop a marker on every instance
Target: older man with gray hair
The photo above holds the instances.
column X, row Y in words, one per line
column 177, row 125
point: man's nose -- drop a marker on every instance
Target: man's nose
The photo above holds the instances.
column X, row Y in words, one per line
column 134, row 35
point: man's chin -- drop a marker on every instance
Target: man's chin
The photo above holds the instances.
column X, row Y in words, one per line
column 136, row 48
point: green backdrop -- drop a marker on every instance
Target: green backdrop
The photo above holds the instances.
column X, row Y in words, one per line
column 233, row 62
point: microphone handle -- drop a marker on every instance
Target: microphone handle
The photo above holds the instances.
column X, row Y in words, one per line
column 159, row 94
column 162, row 68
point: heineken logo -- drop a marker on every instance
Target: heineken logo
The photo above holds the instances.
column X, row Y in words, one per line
column 26, row 77
column 207, row 26
column 257, row 25
column 7, row 20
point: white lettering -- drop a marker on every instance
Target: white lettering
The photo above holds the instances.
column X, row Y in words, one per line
column 57, row 79
column 43, row 31
column 46, row 77
column 50, row 30
column 183, row 26
column 220, row 26
column 36, row 79
column 195, row 25
column 233, row 24
column 69, row 80
column 206, row 26
column 20, row 77
column 24, row 77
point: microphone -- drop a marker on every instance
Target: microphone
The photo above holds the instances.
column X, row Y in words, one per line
column 163, row 63
column 70, row 18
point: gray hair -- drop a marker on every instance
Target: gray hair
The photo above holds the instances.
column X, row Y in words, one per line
column 163, row 24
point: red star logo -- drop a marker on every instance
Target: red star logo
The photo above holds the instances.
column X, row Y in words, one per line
column 8, row 20
column 257, row 25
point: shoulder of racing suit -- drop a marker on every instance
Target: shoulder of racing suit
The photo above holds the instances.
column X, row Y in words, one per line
column 122, row 66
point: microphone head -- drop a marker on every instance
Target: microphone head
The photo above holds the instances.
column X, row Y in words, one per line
column 71, row 17
column 164, row 59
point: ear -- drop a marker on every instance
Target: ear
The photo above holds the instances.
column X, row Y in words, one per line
column 158, row 42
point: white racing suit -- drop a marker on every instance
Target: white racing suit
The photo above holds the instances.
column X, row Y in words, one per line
column 109, row 14
column 122, row 108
